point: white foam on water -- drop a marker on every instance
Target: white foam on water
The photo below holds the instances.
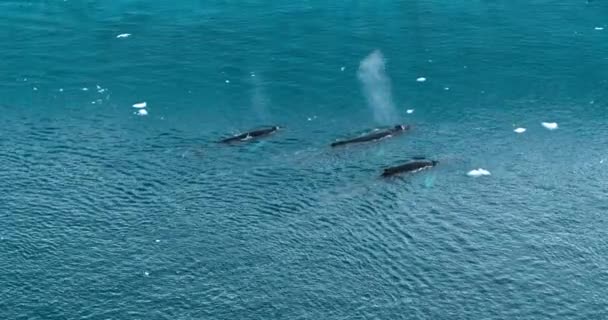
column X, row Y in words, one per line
column 599, row 28
column 85, row 89
column 123, row 35
column 550, row 125
column 157, row 240
column 140, row 105
column 478, row 173
column 343, row 68
column 142, row 112
column 421, row 79
column 146, row 273
column 446, row 88
column 60, row 89
column 410, row 111
column 520, row 130
column 98, row 87
column 227, row 81
column 35, row 89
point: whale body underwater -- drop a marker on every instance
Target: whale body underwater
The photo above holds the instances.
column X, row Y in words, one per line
column 412, row 166
column 415, row 165
column 374, row 136
column 250, row 135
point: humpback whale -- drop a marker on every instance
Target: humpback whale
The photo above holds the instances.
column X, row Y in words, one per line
column 250, row 135
column 411, row 166
column 373, row 136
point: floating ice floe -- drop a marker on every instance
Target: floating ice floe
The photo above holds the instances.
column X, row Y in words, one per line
column 409, row 111
column 520, row 130
column 599, row 28
column 478, row 173
column 123, row 35
column 421, row 79
column 550, row 125
column 142, row 112
column 140, row 105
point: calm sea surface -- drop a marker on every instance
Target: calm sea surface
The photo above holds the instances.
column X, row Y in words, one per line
column 106, row 214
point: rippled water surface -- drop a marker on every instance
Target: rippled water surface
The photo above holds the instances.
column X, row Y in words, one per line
column 109, row 215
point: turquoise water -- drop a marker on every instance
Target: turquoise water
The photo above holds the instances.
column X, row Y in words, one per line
column 110, row 215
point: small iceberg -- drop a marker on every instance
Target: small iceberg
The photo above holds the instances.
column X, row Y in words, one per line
column 123, row 35
column 550, row 125
column 140, row 105
column 520, row 130
column 478, row 173
column 421, row 79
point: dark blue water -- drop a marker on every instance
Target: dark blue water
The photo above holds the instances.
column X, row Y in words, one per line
column 109, row 215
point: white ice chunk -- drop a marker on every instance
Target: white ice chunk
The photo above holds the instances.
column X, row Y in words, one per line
column 550, row 125
column 140, row 105
column 478, row 172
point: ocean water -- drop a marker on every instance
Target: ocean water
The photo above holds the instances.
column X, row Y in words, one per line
column 105, row 214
